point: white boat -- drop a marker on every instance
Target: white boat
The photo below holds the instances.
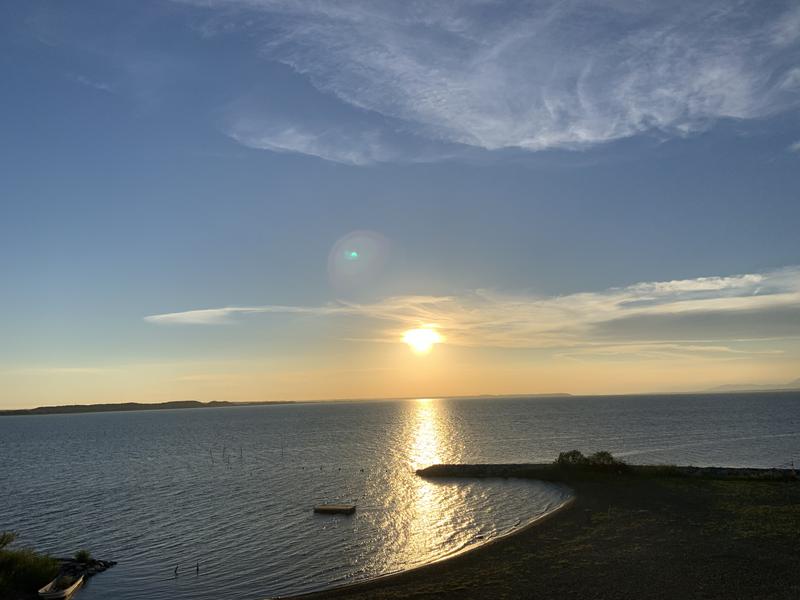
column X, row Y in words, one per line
column 62, row 586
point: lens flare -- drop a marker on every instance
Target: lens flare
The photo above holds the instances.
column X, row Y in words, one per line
column 421, row 341
column 356, row 262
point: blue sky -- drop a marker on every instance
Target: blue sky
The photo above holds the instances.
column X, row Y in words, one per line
column 539, row 160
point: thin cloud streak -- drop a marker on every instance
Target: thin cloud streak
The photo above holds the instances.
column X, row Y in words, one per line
column 62, row 371
column 495, row 75
column 83, row 80
column 224, row 316
column 588, row 320
column 663, row 350
column 357, row 148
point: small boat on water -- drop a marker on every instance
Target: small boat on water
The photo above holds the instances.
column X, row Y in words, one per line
column 62, row 587
column 335, row 509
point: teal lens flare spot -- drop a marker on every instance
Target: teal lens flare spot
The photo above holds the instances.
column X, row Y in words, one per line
column 351, row 255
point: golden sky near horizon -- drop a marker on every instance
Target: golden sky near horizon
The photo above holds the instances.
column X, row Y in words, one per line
column 669, row 336
column 388, row 371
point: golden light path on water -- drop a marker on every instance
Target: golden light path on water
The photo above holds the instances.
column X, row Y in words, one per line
column 425, row 447
column 427, row 513
column 440, row 517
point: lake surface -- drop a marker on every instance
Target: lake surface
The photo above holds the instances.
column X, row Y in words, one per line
column 233, row 488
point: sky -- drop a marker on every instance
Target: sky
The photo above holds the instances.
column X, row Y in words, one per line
column 253, row 200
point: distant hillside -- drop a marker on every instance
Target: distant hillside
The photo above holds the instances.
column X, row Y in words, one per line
column 124, row 407
column 753, row 387
column 133, row 406
column 550, row 395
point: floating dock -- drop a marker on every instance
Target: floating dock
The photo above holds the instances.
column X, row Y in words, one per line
column 335, row 509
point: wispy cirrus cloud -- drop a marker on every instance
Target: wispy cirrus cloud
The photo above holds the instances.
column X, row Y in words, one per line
column 534, row 76
column 702, row 315
column 353, row 145
column 357, row 144
column 661, row 351
column 88, row 82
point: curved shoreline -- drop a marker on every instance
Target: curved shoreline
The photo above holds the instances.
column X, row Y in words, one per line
column 596, row 482
column 388, row 577
column 640, row 531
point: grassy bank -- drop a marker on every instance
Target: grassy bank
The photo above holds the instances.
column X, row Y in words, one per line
column 660, row 533
column 23, row 571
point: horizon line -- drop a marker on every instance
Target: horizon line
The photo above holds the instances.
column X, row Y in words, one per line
column 239, row 403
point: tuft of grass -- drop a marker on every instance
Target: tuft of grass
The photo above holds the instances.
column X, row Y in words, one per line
column 660, row 471
column 83, row 556
column 753, row 509
column 23, row 571
column 7, row 538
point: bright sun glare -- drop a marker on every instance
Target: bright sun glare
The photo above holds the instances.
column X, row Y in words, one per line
column 421, row 340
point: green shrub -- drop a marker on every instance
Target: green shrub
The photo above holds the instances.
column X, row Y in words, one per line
column 599, row 460
column 573, row 458
column 604, row 459
column 83, row 556
column 23, row 571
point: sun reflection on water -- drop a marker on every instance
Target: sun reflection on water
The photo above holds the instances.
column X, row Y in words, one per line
column 426, row 435
column 427, row 513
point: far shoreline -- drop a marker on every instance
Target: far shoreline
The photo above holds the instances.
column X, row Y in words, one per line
column 189, row 404
column 69, row 409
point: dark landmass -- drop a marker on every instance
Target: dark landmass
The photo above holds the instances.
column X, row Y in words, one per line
column 640, row 532
column 131, row 406
column 792, row 386
column 550, row 395
column 123, row 407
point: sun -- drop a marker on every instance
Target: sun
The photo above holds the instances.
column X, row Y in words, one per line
column 421, row 340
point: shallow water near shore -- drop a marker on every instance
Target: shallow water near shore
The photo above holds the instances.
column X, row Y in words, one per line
column 233, row 488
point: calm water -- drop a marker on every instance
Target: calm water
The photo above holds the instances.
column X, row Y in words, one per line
column 233, row 488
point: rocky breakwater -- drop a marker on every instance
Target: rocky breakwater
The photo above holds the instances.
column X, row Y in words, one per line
column 524, row 471
column 76, row 568
column 556, row 472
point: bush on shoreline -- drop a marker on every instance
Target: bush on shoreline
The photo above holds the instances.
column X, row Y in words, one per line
column 23, row 571
column 599, row 460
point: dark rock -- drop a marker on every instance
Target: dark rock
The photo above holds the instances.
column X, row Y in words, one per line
column 74, row 568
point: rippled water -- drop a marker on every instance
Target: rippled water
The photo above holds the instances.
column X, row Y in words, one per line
column 233, row 488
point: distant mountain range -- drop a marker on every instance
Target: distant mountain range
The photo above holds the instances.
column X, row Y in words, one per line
column 755, row 387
